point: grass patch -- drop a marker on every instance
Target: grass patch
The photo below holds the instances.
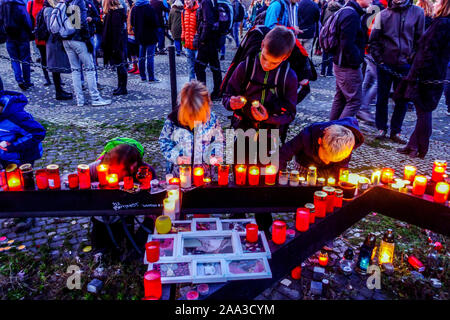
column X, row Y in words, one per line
column 376, row 143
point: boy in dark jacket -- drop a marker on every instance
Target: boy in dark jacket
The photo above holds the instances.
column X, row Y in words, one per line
column 17, row 24
column 308, row 22
column 160, row 10
column 326, row 145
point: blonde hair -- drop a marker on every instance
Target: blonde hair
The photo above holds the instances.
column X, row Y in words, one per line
column 443, row 10
column 427, row 7
column 194, row 104
column 110, row 5
column 338, row 141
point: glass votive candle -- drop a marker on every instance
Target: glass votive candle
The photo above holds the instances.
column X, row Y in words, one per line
column 375, row 178
column 320, row 202
column 251, row 234
column 312, row 212
column 207, row 181
column 363, row 184
column 441, row 192
column 321, row 181
column 419, row 185
column 302, row 219
column 185, row 176
column 330, row 198
column 152, row 251
column 13, row 177
column 338, row 196
column 439, row 167
column 348, row 189
column 283, row 178
column 84, row 176
column 409, row 173
column 169, row 207
column 270, row 175
column 73, row 181
column 294, row 178
column 302, row 181
column 41, row 179
column 192, row 295
column 168, row 177
column 223, row 173
column 128, row 183
column 199, row 174
column 144, row 176
column 152, row 285
column 331, row 181
column 323, row 258
column 253, row 176
column 3, row 181
column 113, row 180
column 279, row 232
column 343, row 174
column 240, row 174
column 387, row 175
column 54, row 180
column 102, row 171
column 26, row 171
column 311, row 177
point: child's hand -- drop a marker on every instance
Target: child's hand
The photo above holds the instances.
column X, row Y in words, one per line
column 237, row 102
column 3, row 145
column 259, row 112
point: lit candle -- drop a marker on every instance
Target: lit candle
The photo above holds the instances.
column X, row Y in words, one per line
column 279, row 232
column 323, row 258
column 338, row 196
column 185, row 176
column 353, row 178
column 253, row 176
column 251, row 234
column 302, row 181
column 375, row 179
column 243, row 100
column 441, row 192
column 320, row 202
column 271, row 175
column 223, row 173
column 152, row 251
column 163, row 224
column 331, row 181
column 386, row 250
column 174, row 194
column 41, row 179
column 410, row 173
column 419, row 185
column 294, row 178
column 102, row 171
column 3, row 181
column 113, row 180
column 343, row 174
column 387, row 175
column 199, row 174
column 13, row 178
column 152, row 285
column 321, row 181
column 439, row 167
column 283, row 178
column 169, row 208
column 330, row 198
column 241, row 174
column 73, row 181
column 128, row 183
column 302, row 219
column 174, row 181
column 54, row 180
column 207, row 180
column 312, row 212
column 311, row 177
column 168, row 177
column 84, row 176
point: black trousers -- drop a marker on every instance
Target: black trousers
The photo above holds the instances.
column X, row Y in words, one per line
column 208, row 54
column 43, row 52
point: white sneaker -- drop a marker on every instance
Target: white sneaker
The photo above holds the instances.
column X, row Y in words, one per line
column 80, row 103
column 101, row 102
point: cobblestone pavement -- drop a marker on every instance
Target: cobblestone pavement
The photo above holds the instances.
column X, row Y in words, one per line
column 77, row 135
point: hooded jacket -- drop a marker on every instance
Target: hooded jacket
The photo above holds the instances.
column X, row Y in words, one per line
column 144, row 22
column 305, row 146
column 16, row 20
column 19, row 129
column 175, row 20
column 396, row 32
column 308, row 18
column 189, row 25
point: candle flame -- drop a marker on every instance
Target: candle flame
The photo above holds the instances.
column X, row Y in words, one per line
column 442, row 187
column 198, row 171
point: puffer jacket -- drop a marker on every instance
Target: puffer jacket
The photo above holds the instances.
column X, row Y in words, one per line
column 34, row 10
column 19, row 129
column 175, row 22
column 396, row 32
column 189, row 26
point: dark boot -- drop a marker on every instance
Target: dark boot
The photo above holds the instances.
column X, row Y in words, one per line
column 122, row 77
column 60, row 93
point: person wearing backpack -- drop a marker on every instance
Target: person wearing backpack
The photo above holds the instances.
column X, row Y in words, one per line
column 226, row 15
column 349, row 41
column 327, row 57
column 160, row 10
column 238, row 17
column 78, row 46
column 253, row 10
column 33, row 8
column 19, row 29
column 283, row 12
column 189, row 25
column 175, row 24
column 208, row 37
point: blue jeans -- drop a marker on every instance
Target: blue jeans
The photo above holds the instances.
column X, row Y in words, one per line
column 327, row 64
column 161, row 40
column 149, row 52
column 222, row 41
column 369, row 86
column 191, row 56
column 385, row 81
column 20, row 50
column 235, row 32
column 178, row 46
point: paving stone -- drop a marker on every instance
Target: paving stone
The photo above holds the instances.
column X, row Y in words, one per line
column 40, row 235
column 40, row 242
column 57, row 244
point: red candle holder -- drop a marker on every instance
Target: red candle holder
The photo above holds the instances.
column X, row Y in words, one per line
column 279, row 232
column 387, row 175
column 199, row 174
column 251, row 234
column 416, row 263
column 330, row 198
column 144, row 176
column 152, row 251
column 441, row 192
column 84, row 176
column 174, row 181
column 312, row 212
column 296, row 273
column 128, row 183
column 439, row 167
column 302, row 219
column 41, row 179
column 223, row 172
column 3, row 182
column 270, row 175
column 410, row 173
column 338, row 196
column 320, row 202
column 102, row 171
column 152, row 285
column 253, row 176
column 241, row 174
column 13, row 178
column 113, row 181
column 54, row 180
column 73, row 181
column 323, row 258
column 419, row 185
column 27, row 176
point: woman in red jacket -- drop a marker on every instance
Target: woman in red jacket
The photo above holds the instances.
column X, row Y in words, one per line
column 188, row 31
column 33, row 8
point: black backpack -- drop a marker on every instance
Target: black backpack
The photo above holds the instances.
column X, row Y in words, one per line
column 250, row 47
column 239, row 12
column 225, row 16
column 40, row 31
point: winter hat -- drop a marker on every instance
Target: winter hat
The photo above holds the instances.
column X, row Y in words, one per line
column 111, row 144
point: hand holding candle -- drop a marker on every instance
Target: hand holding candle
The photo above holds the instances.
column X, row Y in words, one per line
column 237, row 102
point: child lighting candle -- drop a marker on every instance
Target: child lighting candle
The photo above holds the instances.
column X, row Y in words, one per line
column 410, row 173
column 152, row 251
column 441, row 192
column 152, row 285
column 84, row 176
column 439, row 167
column 279, row 232
column 387, row 175
column 199, row 174
column 251, row 234
column 320, row 202
column 419, row 185
column 253, row 176
column 271, row 175
column 241, row 174
column 302, row 219
column 223, row 172
column 102, row 171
